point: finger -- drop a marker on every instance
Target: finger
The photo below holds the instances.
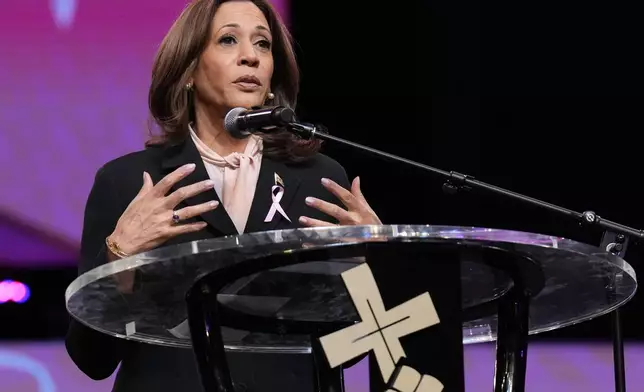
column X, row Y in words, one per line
column 344, row 195
column 186, row 228
column 355, row 188
column 357, row 192
column 330, row 209
column 192, row 211
column 187, row 192
column 147, row 184
column 164, row 186
column 310, row 222
column 147, row 181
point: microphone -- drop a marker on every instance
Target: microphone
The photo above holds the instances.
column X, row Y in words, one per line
column 240, row 122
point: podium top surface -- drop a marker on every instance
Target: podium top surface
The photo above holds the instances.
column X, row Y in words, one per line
column 142, row 298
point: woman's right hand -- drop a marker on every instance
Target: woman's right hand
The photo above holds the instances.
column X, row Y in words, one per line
column 147, row 222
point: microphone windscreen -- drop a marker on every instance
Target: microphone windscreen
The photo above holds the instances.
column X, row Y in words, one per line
column 230, row 121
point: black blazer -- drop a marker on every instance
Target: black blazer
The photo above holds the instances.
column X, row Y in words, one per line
column 153, row 368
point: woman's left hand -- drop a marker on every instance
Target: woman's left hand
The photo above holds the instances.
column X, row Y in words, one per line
column 358, row 211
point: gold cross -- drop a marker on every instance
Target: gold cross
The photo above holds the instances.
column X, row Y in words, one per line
column 380, row 330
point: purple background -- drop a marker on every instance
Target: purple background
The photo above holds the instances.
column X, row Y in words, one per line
column 579, row 367
column 74, row 77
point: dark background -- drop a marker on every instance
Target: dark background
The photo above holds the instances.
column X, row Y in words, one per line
column 540, row 98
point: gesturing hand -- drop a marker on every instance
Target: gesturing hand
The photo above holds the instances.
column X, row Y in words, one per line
column 150, row 219
column 358, row 211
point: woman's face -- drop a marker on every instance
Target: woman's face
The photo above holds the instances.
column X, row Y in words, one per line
column 236, row 67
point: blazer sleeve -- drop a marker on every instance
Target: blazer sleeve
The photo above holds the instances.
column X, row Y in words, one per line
column 94, row 353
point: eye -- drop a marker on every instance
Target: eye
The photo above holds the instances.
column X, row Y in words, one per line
column 264, row 44
column 227, row 40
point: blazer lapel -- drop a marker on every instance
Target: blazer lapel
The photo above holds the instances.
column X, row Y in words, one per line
column 263, row 198
column 179, row 155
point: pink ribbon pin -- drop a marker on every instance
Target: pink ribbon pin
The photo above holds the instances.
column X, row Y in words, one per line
column 276, row 207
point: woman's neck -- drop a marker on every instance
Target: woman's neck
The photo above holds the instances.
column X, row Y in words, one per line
column 209, row 128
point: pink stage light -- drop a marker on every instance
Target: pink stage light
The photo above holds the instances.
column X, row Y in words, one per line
column 12, row 291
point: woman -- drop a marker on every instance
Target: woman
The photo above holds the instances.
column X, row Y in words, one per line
column 198, row 182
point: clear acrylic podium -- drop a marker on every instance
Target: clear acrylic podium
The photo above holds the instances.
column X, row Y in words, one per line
column 279, row 291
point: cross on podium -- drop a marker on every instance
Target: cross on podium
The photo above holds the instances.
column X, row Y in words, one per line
column 380, row 331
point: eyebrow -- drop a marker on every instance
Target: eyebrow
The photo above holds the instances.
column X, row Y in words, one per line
column 258, row 27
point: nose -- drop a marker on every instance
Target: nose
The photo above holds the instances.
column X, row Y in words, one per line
column 248, row 55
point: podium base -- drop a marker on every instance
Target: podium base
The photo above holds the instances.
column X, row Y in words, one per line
column 420, row 267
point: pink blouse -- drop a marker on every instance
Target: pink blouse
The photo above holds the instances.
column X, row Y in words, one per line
column 235, row 177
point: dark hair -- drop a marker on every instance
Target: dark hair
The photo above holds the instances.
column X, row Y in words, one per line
column 170, row 102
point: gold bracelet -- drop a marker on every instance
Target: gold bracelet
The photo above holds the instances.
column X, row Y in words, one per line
column 114, row 248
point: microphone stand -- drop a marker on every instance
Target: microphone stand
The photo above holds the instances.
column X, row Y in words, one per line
column 614, row 240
